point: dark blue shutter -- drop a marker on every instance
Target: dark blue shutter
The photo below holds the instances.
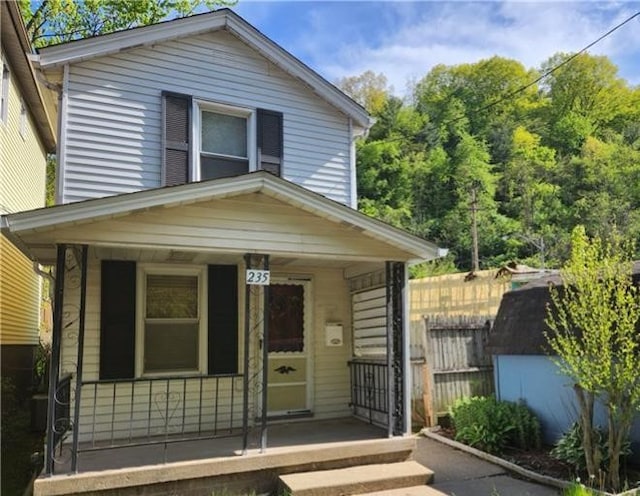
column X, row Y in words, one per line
column 270, row 141
column 117, row 320
column 223, row 319
column 176, row 111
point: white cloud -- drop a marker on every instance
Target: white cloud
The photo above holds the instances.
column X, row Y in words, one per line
column 405, row 40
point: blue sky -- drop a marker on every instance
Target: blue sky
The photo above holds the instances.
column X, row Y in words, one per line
column 405, row 39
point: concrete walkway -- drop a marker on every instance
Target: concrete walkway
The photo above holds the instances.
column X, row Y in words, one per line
column 460, row 474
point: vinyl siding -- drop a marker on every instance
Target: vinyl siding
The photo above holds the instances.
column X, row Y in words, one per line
column 113, row 120
column 239, row 224
column 329, row 377
column 22, row 160
column 19, row 297
column 22, row 187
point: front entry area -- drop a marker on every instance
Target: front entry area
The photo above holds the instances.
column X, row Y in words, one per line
column 289, row 362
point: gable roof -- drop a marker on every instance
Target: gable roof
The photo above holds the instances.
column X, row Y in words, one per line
column 223, row 19
column 16, row 45
column 51, row 218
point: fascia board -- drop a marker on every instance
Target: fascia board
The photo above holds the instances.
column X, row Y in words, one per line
column 80, row 50
column 294, row 67
column 16, row 43
column 76, row 51
column 423, row 250
column 91, row 210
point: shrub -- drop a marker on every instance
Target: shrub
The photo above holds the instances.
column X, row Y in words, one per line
column 569, row 447
column 491, row 425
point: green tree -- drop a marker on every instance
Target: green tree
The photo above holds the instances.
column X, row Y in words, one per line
column 369, row 89
column 593, row 321
column 57, row 21
column 586, row 96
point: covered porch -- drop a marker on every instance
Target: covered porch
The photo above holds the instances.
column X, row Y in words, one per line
column 202, row 467
column 214, row 319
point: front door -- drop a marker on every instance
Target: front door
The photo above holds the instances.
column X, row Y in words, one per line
column 288, row 344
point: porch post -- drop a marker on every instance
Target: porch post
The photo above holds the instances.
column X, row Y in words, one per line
column 245, row 377
column 54, row 366
column 407, row 383
column 390, row 369
column 396, row 353
column 83, row 306
column 265, row 356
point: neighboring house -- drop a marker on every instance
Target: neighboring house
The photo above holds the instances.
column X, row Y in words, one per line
column 523, row 367
column 26, row 136
column 213, row 274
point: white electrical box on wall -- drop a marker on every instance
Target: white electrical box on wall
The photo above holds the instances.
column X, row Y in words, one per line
column 333, row 334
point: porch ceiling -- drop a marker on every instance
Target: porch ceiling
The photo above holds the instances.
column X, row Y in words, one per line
column 214, row 220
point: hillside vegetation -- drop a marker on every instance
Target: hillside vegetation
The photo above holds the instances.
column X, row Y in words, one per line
column 538, row 158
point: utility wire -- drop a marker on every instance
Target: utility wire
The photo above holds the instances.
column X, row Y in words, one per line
column 553, row 69
column 537, row 80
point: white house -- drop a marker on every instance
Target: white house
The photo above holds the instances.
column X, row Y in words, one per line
column 213, row 274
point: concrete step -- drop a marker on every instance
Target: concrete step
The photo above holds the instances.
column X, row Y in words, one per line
column 356, row 480
column 408, row 491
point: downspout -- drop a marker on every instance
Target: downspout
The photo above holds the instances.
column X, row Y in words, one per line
column 353, row 177
column 63, row 101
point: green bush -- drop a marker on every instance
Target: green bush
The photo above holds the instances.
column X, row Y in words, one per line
column 491, row 425
column 569, row 447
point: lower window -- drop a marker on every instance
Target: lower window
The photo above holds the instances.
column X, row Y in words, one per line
column 171, row 327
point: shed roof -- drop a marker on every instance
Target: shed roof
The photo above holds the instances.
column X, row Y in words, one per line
column 519, row 327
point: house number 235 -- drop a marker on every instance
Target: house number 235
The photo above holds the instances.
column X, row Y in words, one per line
column 259, row 277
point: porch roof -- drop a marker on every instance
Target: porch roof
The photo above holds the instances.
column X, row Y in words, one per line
column 316, row 227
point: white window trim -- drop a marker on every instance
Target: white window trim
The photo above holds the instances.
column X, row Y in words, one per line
column 141, row 283
column 201, row 105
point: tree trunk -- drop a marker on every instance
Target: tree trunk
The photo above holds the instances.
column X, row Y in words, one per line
column 585, row 403
column 619, row 420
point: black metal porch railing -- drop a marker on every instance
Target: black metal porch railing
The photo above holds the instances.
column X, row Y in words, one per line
column 62, row 412
column 158, row 410
column 369, row 389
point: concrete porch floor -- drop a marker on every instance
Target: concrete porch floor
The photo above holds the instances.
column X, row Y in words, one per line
column 192, row 468
column 282, row 434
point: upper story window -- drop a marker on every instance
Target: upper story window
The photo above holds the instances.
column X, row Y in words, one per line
column 4, row 92
column 208, row 140
column 225, row 142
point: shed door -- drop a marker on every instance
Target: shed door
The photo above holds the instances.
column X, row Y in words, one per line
column 288, row 386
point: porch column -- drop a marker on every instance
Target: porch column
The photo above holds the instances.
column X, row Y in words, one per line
column 54, row 366
column 397, row 355
column 82, row 260
column 256, row 326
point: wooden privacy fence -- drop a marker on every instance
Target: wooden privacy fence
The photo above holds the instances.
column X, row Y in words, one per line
column 456, row 363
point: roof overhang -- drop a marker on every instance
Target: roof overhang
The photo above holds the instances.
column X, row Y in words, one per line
column 18, row 48
column 224, row 19
column 22, row 226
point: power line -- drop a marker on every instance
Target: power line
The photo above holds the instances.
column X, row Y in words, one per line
column 538, row 79
column 553, row 69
